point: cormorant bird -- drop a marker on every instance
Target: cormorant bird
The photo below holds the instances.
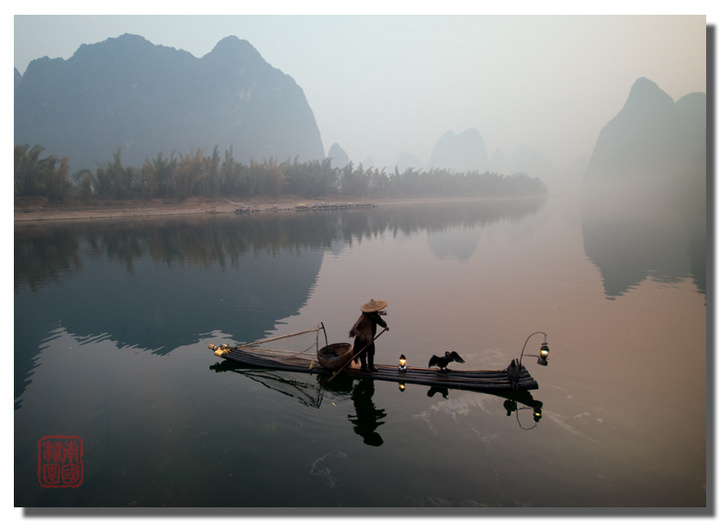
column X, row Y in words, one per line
column 442, row 361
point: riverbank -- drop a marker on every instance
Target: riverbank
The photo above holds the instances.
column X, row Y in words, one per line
column 38, row 210
column 35, row 210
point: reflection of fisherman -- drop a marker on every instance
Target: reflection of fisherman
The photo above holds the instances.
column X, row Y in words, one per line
column 364, row 331
column 367, row 418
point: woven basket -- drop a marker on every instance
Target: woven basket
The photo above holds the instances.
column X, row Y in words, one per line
column 335, row 355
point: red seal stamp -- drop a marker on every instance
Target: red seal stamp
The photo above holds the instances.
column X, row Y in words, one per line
column 60, row 462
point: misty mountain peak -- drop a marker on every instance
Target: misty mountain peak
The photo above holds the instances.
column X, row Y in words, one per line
column 469, row 136
column 232, row 48
column 645, row 94
column 498, row 157
column 644, row 85
column 147, row 99
column 651, row 137
column 127, row 54
column 123, row 44
column 462, row 152
column 338, row 156
column 129, row 40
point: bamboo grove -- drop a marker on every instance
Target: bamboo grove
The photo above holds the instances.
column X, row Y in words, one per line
column 198, row 175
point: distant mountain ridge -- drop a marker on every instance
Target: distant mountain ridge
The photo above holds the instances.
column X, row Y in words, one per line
column 460, row 152
column 338, row 156
column 149, row 99
column 466, row 151
column 651, row 137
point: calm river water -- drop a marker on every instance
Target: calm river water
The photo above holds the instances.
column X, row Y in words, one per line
column 113, row 320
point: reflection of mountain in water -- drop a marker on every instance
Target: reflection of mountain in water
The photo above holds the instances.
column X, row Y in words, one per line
column 163, row 284
column 632, row 239
column 459, row 237
column 459, row 243
column 156, row 287
column 162, row 287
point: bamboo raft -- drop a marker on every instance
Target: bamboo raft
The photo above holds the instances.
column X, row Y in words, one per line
column 477, row 380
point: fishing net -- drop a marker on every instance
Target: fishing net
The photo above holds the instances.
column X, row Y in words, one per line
column 305, row 390
column 297, row 348
column 304, row 349
column 303, row 342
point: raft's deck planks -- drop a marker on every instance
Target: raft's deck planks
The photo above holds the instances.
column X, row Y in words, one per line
column 459, row 379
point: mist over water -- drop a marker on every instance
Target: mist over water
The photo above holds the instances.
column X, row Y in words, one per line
column 112, row 324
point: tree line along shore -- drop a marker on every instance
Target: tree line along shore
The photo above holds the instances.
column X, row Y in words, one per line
column 181, row 177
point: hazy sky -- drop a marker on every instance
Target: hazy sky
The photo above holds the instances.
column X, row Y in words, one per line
column 379, row 85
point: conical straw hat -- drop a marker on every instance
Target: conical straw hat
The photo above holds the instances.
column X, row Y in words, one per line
column 374, row 306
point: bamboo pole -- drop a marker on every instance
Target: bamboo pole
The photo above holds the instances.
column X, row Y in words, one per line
column 277, row 338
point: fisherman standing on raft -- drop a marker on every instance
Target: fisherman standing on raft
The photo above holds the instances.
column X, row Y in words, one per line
column 364, row 331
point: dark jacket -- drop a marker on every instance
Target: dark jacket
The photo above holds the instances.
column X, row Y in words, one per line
column 366, row 326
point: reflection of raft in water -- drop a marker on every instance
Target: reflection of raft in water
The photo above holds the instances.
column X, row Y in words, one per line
column 326, row 360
